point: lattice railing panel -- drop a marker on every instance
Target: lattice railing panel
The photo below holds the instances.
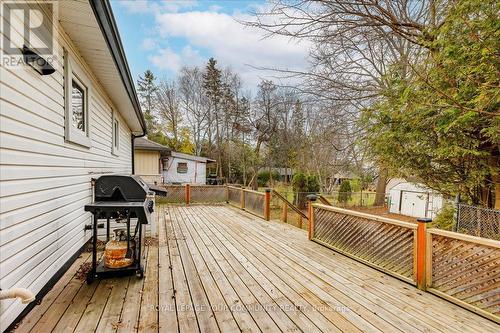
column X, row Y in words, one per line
column 207, row 193
column 254, row 202
column 234, row 195
column 175, row 193
column 467, row 271
column 387, row 246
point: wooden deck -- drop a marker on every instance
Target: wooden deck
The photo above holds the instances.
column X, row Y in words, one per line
column 217, row 268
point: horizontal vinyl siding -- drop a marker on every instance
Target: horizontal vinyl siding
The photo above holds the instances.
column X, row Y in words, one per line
column 147, row 162
column 46, row 181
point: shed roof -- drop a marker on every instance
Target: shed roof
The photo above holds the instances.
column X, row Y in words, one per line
column 145, row 144
column 191, row 157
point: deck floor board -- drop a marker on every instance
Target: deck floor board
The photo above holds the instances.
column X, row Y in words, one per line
column 219, row 269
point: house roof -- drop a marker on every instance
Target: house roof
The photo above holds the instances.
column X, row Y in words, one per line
column 145, row 144
column 92, row 28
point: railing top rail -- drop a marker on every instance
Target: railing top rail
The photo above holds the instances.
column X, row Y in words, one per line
column 205, row 185
column 324, row 200
column 465, row 237
column 233, row 187
column 289, row 204
column 367, row 216
column 252, row 191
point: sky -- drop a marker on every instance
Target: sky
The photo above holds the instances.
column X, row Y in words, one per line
column 165, row 35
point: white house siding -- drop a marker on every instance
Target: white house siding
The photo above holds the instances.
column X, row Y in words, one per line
column 45, row 181
column 196, row 174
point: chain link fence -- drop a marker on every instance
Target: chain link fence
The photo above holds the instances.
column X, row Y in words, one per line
column 478, row 221
column 351, row 199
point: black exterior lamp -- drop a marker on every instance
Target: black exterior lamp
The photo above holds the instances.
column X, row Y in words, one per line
column 34, row 60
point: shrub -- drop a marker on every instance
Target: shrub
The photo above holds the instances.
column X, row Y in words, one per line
column 264, row 177
column 445, row 218
column 312, row 184
column 345, row 192
column 356, row 185
column 299, row 182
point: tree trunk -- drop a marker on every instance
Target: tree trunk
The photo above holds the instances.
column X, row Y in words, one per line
column 381, row 183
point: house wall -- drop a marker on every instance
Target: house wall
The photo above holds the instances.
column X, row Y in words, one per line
column 147, row 165
column 196, row 174
column 46, row 181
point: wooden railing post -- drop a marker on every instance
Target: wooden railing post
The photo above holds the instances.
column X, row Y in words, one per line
column 187, row 194
column 421, row 252
column 242, row 198
column 311, row 198
column 284, row 212
column 267, row 204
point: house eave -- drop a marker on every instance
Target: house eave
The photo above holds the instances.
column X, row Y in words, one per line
column 104, row 16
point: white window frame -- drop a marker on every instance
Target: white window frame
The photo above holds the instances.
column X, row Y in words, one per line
column 73, row 72
column 187, row 168
column 115, row 136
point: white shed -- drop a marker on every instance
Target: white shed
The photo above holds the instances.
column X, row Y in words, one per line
column 180, row 168
column 413, row 199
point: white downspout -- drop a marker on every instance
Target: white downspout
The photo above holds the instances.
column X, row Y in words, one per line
column 24, row 294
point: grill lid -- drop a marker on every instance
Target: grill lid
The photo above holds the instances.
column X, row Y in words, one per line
column 120, row 188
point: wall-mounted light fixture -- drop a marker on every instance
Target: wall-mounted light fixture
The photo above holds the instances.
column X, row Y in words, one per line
column 34, row 60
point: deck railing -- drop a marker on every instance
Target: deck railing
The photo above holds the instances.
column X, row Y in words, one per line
column 255, row 202
column 460, row 268
column 207, row 193
column 386, row 244
column 466, row 270
column 249, row 200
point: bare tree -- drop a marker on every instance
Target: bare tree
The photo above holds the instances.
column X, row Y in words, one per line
column 194, row 104
column 355, row 44
column 168, row 107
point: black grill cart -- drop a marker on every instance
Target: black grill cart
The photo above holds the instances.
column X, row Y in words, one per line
column 120, row 198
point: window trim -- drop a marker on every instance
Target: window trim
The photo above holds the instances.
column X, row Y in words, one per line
column 73, row 72
column 115, row 136
column 187, row 168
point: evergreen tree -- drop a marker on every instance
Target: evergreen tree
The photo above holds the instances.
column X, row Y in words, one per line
column 441, row 126
column 212, row 83
column 345, row 192
column 147, row 89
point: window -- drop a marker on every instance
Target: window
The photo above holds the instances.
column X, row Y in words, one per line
column 78, row 106
column 115, row 135
column 182, row 167
column 76, row 95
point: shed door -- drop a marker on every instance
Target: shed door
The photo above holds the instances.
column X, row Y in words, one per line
column 413, row 204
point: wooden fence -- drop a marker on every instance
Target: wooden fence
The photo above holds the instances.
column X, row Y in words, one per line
column 460, row 268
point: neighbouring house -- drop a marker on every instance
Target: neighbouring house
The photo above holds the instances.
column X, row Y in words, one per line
column 156, row 164
column 339, row 177
column 58, row 129
column 148, row 160
column 286, row 174
column 413, row 199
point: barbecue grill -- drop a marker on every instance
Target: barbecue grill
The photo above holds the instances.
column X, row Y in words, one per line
column 119, row 198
